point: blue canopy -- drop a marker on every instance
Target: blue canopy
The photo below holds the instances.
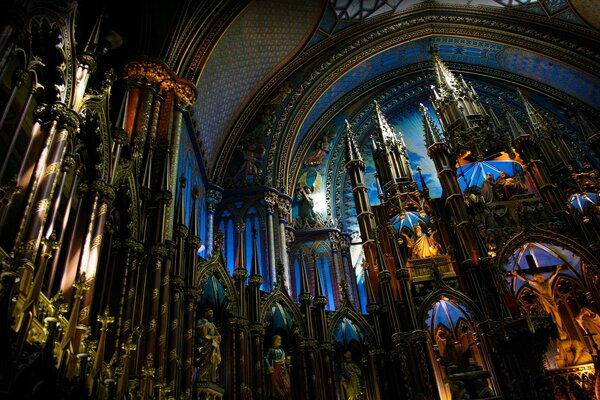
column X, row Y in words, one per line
column 473, row 174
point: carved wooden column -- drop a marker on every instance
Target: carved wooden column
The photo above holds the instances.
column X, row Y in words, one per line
column 213, row 198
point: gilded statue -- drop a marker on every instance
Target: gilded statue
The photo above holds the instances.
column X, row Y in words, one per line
column 590, row 323
column 277, row 370
column 542, row 287
column 350, row 378
column 421, row 245
column 208, row 351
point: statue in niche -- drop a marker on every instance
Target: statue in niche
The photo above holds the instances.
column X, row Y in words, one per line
column 277, row 365
column 248, row 172
column 350, row 378
column 281, row 94
column 208, row 349
column 542, row 287
column 487, row 188
column 590, row 323
column 506, row 187
column 321, row 150
column 421, row 245
column 264, row 122
column 305, row 195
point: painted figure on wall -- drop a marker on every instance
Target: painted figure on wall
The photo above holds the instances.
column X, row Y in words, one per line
column 248, row 172
column 421, row 245
column 542, row 287
column 321, row 150
column 208, row 348
column 350, row 378
column 277, row 370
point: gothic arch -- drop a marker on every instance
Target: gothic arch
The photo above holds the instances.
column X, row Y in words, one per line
column 281, row 297
column 348, row 311
column 542, row 235
column 215, row 266
column 447, row 291
column 389, row 33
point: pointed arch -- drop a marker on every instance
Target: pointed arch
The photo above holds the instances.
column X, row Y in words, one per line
column 348, row 311
column 215, row 266
column 589, row 260
column 447, row 291
column 281, row 297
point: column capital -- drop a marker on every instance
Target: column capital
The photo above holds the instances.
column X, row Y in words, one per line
column 213, row 198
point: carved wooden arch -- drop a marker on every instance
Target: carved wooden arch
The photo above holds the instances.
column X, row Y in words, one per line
column 445, row 290
column 95, row 108
column 281, row 297
column 348, row 311
column 215, row 266
column 545, row 236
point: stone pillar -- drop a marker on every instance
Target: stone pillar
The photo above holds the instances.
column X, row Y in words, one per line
column 283, row 208
column 270, row 205
column 213, row 198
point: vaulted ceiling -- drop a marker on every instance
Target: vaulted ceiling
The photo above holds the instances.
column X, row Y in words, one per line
column 274, row 77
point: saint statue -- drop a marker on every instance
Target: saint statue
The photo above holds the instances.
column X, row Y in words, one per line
column 248, row 171
column 590, row 323
column 487, row 188
column 350, row 378
column 543, row 289
column 208, row 352
column 422, row 245
column 277, row 370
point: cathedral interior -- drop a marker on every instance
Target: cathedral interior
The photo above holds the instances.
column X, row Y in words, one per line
column 285, row 199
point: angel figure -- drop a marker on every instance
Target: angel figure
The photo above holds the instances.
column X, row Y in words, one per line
column 306, row 196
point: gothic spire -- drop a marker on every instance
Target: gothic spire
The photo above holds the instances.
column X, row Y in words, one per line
column 515, row 129
column 180, row 205
column 194, row 227
column 588, row 128
column 368, row 287
column 240, row 257
column 304, row 287
column 92, row 43
column 535, row 117
column 384, row 130
column 445, row 78
column 255, row 267
column 318, row 285
column 352, row 151
column 432, row 133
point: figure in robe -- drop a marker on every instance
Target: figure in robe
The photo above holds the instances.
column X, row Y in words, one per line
column 208, row 349
column 590, row 323
column 571, row 352
column 422, row 245
column 350, row 378
column 248, row 171
column 487, row 188
column 542, row 287
column 277, row 371
column 319, row 153
column 508, row 187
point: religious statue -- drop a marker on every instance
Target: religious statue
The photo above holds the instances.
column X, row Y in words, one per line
column 543, row 289
column 590, row 323
column 277, row 369
column 422, row 245
column 350, row 378
column 208, row 352
column 487, row 188
column 571, row 352
column 306, row 207
column 507, row 187
column 248, row 171
column 319, row 153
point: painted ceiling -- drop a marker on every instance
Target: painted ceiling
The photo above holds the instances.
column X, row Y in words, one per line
column 268, row 33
